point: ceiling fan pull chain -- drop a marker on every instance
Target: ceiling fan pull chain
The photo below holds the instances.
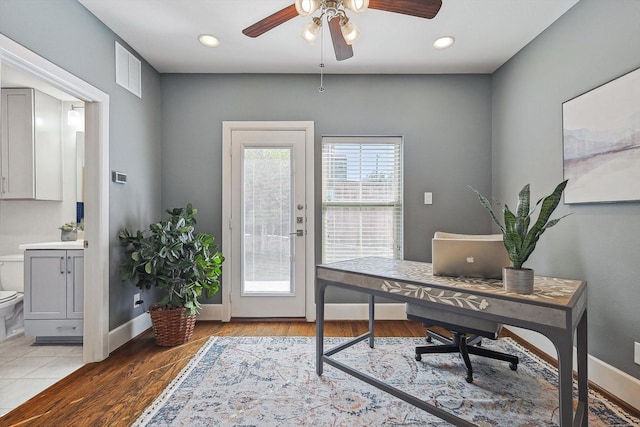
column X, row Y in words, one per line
column 321, row 88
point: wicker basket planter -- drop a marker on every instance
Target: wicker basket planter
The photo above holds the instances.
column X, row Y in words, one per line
column 171, row 326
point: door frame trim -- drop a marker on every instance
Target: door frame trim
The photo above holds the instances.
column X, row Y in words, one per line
column 308, row 127
column 96, row 295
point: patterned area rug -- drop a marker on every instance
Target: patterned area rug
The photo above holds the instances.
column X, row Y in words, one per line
column 271, row 381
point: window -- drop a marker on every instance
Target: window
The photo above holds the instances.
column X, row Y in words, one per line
column 361, row 197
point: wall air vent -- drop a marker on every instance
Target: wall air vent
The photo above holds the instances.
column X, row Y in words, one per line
column 128, row 71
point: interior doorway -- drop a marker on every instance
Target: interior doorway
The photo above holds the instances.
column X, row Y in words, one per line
column 96, row 295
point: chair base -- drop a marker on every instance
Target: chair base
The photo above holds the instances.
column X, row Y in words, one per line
column 465, row 345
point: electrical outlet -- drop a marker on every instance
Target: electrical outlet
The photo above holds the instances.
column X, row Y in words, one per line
column 136, row 298
column 636, row 353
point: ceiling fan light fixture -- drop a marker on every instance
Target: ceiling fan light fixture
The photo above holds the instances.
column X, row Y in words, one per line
column 208, row 40
column 356, row 5
column 444, row 42
column 350, row 32
column 307, row 7
column 310, row 31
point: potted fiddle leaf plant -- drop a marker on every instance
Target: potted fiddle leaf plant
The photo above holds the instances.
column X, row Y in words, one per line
column 519, row 237
column 186, row 265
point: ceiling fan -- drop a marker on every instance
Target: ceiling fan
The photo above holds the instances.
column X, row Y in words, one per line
column 343, row 32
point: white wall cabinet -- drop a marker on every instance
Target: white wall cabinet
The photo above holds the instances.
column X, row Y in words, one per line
column 54, row 294
column 31, row 145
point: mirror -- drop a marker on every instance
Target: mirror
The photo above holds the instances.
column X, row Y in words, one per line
column 17, row 214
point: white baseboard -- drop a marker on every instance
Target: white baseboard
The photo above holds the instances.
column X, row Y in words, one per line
column 134, row 327
column 388, row 311
column 614, row 381
column 210, row 312
column 128, row 331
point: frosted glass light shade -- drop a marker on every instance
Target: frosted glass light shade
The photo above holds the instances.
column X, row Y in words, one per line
column 73, row 118
column 306, row 7
column 350, row 32
column 311, row 30
column 356, row 5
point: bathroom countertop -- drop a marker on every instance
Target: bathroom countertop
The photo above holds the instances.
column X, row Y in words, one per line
column 75, row 244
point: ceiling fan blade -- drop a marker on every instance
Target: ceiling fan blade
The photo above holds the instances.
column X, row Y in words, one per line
column 271, row 21
column 420, row 8
column 341, row 48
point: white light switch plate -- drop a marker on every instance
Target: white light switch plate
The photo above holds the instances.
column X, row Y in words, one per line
column 636, row 353
column 428, row 198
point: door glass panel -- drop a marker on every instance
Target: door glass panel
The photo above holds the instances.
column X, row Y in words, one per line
column 267, row 208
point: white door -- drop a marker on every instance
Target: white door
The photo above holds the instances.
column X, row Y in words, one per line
column 268, row 223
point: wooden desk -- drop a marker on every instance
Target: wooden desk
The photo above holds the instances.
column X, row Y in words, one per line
column 556, row 309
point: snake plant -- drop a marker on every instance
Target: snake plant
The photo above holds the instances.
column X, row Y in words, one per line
column 519, row 239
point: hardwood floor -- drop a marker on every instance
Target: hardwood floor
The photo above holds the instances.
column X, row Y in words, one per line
column 114, row 392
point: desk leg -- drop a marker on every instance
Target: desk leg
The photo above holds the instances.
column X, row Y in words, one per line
column 320, row 288
column 582, row 413
column 564, row 345
column 371, row 320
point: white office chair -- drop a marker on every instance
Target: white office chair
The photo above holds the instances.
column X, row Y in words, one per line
column 467, row 332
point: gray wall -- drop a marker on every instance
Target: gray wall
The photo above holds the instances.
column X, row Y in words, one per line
column 509, row 124
column 593, row 43
column 66, row 34
column 445, row 121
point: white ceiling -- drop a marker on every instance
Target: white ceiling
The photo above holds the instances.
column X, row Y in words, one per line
column 164, row 32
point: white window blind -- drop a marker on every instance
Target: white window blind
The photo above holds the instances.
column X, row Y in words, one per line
column 361, row 197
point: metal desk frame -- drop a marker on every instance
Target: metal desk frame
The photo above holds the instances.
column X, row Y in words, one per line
column 407, row 281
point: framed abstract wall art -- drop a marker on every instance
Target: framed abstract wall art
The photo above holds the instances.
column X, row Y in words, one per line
column 601, row 143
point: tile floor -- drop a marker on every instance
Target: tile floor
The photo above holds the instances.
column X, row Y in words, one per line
column 26, row 369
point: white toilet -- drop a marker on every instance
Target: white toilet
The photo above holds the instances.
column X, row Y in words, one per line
column 11, row 295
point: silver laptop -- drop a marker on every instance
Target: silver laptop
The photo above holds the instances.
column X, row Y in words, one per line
column 464, row 255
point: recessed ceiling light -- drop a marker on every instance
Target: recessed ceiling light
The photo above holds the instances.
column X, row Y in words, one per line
column 443, row 42
column 208, row 40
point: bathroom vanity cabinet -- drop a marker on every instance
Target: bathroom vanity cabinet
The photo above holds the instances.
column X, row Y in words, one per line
column 54, row 295
column 30, row 145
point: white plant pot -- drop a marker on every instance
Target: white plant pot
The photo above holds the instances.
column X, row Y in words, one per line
column 518, row 280
column 68, row 236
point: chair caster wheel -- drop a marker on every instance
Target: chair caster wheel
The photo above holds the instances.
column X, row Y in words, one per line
column 513, row 366
column 418, row 357
column 429, row 340
column 469, row 379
